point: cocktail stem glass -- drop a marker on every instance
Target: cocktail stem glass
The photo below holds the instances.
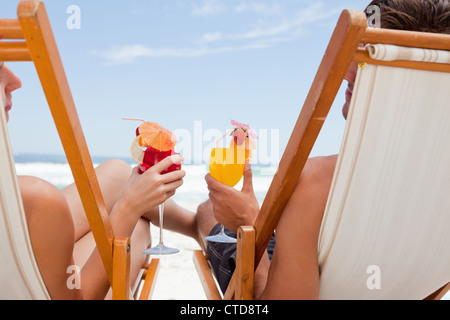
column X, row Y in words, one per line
column 161, row 218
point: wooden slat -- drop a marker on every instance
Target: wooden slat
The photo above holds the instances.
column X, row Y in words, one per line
column 363, row 56
column 439, row 294
column 206, row 276
column 414, row 39
column 41, row 42
column 150, row 280
column 121, row 267
column 245, row 260
column 14, row 51
column 10, row 29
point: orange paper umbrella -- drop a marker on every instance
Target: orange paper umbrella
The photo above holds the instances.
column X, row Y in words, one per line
column 153, row 135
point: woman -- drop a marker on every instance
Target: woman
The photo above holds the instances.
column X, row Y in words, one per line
column 59, row 231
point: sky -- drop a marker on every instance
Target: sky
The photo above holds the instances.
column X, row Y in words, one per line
column 191, row 66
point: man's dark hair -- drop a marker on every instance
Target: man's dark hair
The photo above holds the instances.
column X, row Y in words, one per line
column 415, row 15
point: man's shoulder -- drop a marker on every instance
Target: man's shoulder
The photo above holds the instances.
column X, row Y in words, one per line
column 323, row 165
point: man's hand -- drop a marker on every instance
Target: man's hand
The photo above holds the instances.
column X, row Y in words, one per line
column 234, row 208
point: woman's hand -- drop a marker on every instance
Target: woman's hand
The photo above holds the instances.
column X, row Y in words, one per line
column 145, row 191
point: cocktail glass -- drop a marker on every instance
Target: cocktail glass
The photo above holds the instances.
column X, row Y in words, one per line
column 226, row 165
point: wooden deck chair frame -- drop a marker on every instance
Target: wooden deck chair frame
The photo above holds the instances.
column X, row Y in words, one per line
column 343, row 49
column 39, row 46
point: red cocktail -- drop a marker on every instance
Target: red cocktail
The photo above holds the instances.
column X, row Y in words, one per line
column 152, row 156
column 153, row 144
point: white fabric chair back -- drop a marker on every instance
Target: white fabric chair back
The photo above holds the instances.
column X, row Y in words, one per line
column 386, row 228
column 19, row 273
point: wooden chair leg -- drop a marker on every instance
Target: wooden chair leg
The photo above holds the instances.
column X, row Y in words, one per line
column 121, row 269
column 206, row 276
column 439, row 294
column 245, row 263
column 150, row 280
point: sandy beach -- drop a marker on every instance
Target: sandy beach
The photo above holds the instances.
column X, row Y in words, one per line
column 177, row 278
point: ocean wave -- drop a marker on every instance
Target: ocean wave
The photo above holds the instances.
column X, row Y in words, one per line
column 58, row 174
column 194, row 187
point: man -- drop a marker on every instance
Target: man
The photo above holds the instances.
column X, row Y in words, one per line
column 293, row 272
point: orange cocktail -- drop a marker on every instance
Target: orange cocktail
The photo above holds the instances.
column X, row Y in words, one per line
column 226, row 165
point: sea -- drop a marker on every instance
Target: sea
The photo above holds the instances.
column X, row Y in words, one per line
column 56, row 170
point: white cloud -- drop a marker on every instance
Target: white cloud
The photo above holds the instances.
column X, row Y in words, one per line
column 287, row 26
column 128, row 54
column 258, row 8
column 215, row 7
column 264, row 33
column 209, row 8
column 211, row 37
column 258, row 33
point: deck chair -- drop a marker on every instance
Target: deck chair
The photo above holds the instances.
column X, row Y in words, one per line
column 19, row 274
column 388, row 209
